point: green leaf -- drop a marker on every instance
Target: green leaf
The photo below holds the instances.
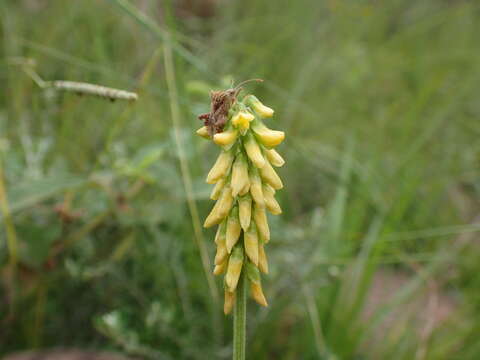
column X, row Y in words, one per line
column 24, row 195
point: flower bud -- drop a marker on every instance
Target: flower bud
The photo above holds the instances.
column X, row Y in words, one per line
column 221, row 167
column 270, row 201
column 266, row 136
column 245, row 189
column 250, row 241
column 221, row 254
column 262, row 259
column 221, row 208
column 245, row 211
column 228, row 302
column 220, row 269
column 260, row 218
column 274, row 157
column 252, row 272
column 270, row 176
column 220, row 236
column 260, row 109
column 203, row 132
column 217, row 189
column 234, row 269
column 233, row 229
column 226, row 138
column 256, row 187
column 255, row 284
column 239, row 174
column 257, row 293
column 242, row 119
column 253, row 150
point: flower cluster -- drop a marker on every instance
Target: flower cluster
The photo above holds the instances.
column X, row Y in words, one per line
column 245, row 185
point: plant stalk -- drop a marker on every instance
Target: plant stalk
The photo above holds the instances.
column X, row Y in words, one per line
column 240, row 319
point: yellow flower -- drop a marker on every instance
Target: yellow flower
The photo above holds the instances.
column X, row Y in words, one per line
column 221, row 167
column 246, row 188
column 221, row 208
column 250, row 239
column 220, row 269
column 261, row 221
column 270, row 201
column 256, row 187
column 257, row 294
column 217, row 190
column 233, row 229
column 242, row 119
column 234, row 268
column 270, row 176
column 245, row 211
column 274, row 157
column 229, row 302
column 203, row 132
column 239, row 175
column 266, row 136
column 255, row 284
column 262, row 259
column 253, row 151
column 221, row 254
column 262, row 110
column 220, row 236
column 226, row 138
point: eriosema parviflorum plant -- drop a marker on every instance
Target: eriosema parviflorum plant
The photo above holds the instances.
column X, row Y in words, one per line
column 244, row 189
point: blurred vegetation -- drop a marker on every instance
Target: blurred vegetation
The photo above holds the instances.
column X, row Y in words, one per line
column 379, row 101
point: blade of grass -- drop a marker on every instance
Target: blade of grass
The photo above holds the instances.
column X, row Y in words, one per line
column 434, row 232
column 159, row 33
column 186, row 176
column 362, row 270
column 315, row 321
column 119, row 122
column 337, row 210
column 12, row 245
column 11, row 234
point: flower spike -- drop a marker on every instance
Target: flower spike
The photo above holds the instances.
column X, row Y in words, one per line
column 245, row 187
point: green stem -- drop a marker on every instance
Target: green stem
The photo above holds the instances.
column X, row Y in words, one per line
column 240, row 319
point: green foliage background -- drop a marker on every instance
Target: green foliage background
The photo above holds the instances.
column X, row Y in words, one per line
column 379, row 101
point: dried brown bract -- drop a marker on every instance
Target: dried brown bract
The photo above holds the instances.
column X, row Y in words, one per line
column 221, row 101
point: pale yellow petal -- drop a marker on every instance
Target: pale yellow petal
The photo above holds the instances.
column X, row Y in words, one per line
column 266, row 136
column 226, row 138
column 217, row 189
column 229, row 301
column 270, row 201
column 245, row 211
column 269, row 175
column 203, row 132
column 257, row 293
column 256, row 187
column 220, row 269
column 234, row 268
column 233, row 229
column 253, row 151
column 239, row 174
column 221, row 208
column 250, row 239
column 262, row 259
column 260, row 217
column 274, row 157
column 221, row 167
